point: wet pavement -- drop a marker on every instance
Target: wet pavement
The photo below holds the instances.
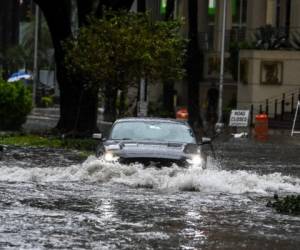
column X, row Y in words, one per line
column 42, row 120
column 51, row 199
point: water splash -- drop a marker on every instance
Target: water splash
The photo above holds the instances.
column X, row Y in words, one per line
column 212, row 179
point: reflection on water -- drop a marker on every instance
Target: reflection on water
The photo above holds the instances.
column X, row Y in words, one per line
column 57, row 202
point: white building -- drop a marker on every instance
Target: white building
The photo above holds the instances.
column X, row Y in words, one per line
column 249, row 82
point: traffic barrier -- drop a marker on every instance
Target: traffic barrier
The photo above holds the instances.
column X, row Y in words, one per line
column 261, row 127
column 182, row 114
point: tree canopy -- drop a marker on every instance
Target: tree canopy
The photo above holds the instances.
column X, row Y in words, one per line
column 121, row 48
column 78, row 105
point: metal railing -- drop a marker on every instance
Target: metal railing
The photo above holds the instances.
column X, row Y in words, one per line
column 281, row 105
column 291, row 36
column 295, row 119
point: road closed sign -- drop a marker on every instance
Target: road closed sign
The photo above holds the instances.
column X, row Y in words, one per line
column 239, row 118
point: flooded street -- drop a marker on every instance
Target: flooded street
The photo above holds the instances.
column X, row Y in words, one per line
column 50, row 199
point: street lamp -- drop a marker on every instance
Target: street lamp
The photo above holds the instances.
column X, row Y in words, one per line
column 238, row 39
column 35, row 56
column 219, row 123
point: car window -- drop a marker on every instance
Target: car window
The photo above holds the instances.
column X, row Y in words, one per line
column 153, row 131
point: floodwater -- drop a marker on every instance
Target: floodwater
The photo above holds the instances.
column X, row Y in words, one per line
column 50, row 199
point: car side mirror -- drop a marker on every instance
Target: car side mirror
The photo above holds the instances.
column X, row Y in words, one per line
column 205, row 140
column 97, row 136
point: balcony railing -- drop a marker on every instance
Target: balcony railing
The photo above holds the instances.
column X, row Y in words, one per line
column 266, row 37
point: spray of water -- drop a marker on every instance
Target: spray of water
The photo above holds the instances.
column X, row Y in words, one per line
column 212, row 179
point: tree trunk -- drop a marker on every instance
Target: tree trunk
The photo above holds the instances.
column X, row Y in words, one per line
column 9, row 29
column 168, row 88
column 110, row 100
column 84, row 8
column 141, row 5
column 122, row 102
column 78, row 110
column 168, row 97
column 193, row 65
column 78, row 106
column 170, row 9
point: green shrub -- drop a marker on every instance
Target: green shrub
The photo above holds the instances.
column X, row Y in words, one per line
column 47, row 101
column 15, row 105
column 287, row 205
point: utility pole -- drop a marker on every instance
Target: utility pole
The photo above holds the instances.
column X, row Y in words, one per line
column 220, row 124
column 142, row 104
column 238, row 40
column 35, row 59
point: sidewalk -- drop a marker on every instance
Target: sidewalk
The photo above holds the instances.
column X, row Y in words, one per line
column 275, row 136
column 43, row 119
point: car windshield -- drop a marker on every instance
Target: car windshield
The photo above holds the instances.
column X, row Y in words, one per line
column 153, row 131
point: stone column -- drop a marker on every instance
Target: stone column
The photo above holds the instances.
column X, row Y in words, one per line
column 271, row 12
column 218, row 23
column 256, row 16
column 202, row 15
column 182, row 12
column 283, row 11
column 203, row 23
column 295, row 14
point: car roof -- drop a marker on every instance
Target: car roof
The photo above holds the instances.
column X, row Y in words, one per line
column 151, row 119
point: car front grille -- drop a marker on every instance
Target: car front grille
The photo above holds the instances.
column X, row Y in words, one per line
column 153, row 162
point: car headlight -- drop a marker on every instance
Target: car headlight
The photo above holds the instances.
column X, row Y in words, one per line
column 196, row 160
column 109, row 156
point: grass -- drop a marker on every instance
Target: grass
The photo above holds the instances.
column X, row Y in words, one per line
column 86, row 146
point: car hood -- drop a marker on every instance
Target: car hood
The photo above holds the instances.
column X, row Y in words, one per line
column 142, row 149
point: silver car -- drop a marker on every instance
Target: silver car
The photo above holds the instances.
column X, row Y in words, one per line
column 152, row 142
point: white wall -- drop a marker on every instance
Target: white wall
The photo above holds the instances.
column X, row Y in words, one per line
column 254, row 92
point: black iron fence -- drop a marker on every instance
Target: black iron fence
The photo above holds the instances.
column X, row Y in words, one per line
column 279, row 108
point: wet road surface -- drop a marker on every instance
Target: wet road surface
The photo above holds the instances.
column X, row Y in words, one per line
column 50, row 199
